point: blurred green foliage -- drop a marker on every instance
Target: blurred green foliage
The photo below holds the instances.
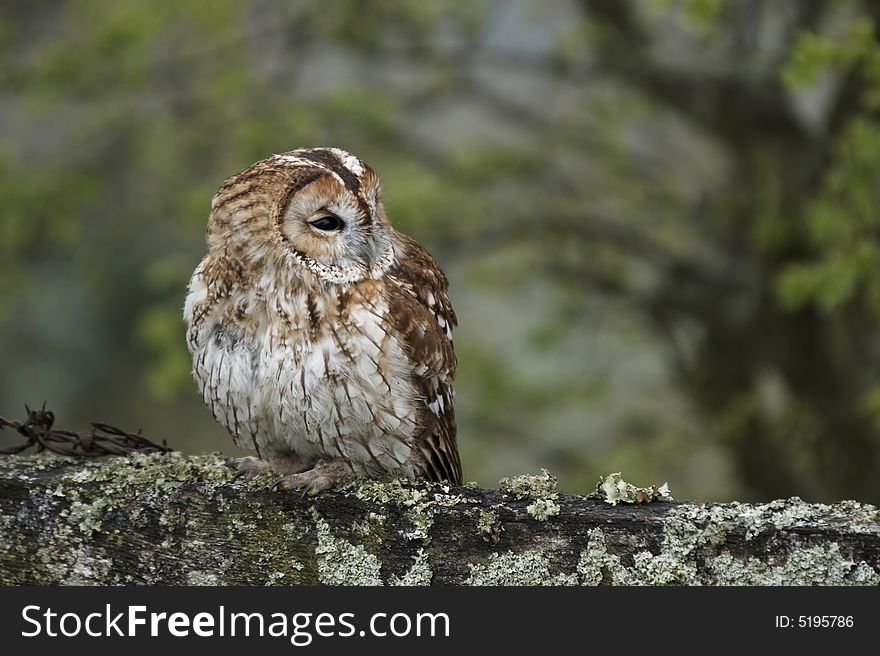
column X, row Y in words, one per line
column 660, row 219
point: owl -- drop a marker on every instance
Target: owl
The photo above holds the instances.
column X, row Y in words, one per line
column 321, row 337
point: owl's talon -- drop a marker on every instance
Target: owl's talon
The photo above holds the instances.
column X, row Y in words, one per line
column 237, row 475
column 248, row 468
column 280, row 484
column 325, row 474
column 285, row 484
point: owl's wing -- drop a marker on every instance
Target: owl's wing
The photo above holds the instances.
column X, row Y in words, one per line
column 423, row 318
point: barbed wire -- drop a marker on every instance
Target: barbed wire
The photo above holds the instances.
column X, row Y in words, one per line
column 102, row 440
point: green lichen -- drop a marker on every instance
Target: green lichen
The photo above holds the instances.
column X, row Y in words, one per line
column 541, row 489
column 23, row 467
column 342, row 563
column 97, row 507
column 530, row 567
column 76, row 507
column 274, row 578
column 597, row 566
column 88, row 516
column 199, row 577
column 80, row 567
column 164, row 471
column 686, row 529
column 613, row 489
column 794, row 513
column 420, row 501
column 240, row 526
column 820, row 564
column 419, row 574
column 274, row 543
column 399, row 491
column 117, row 477
column 542, row 509
column 422, row 518
column 530, row 486
column 372, row 525
column 699, row 532
column 489, row 526
column 93, row 512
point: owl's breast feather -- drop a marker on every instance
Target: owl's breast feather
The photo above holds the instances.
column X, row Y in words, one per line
column 291, row 380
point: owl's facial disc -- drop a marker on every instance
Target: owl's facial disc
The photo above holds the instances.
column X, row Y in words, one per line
column 325, row 223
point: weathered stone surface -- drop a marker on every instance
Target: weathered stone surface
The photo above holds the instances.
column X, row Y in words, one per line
column 174, row 519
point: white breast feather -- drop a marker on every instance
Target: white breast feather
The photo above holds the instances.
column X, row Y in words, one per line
column 275, row 390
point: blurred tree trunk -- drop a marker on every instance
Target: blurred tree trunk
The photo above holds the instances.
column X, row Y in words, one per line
column 825, row 446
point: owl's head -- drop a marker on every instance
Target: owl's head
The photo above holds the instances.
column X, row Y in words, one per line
column 316, row 210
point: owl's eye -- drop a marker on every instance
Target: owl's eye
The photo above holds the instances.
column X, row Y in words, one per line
column 328, row 223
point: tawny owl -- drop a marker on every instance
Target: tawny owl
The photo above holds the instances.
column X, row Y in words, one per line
column 322, row 337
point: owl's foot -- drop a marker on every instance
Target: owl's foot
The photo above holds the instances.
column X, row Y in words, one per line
column 325, row 474
column 250, row 467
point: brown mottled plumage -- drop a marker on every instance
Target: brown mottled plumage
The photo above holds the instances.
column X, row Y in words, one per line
column 322, row 337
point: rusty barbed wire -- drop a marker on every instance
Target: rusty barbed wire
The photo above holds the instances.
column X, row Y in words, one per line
column 102, row 440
